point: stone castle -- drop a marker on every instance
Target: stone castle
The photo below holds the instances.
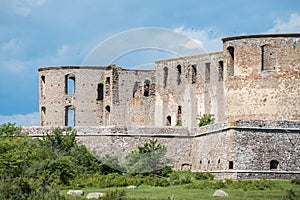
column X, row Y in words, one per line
column 252, row 88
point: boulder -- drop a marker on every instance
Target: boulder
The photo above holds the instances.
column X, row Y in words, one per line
column 132, row 187
column 75, row 193
column 94, row 195
column 220, row 193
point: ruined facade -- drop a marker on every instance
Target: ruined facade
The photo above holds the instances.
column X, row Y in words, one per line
column 252, row 88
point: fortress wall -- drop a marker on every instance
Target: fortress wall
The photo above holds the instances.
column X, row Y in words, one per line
column 136, row 91
column 83, row 99
column 187, row 88
column 262, row 78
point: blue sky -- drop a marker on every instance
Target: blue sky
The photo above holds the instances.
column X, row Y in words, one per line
column 37, row 33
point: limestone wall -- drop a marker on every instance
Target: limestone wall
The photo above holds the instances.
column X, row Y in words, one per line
column 187, row 88
column 262, row 77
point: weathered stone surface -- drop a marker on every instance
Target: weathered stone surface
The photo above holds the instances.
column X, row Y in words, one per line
column 75, row 193
column 94, row 195
column 220, row 193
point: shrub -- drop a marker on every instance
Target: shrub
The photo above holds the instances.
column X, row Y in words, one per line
column 205, row 120
column 203, row 176
column 296, row 181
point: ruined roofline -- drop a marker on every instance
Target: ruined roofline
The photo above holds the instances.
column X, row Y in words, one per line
column 76, row 67
column 139, row 70
column 225, row 39
column 189, row 57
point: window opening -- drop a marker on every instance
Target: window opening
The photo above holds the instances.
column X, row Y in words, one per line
column 207, row 71
column 221, row 70
column 274, row 164
column 169, row 120
column 230, row 165
column 146, row 88
column 165, row 76
column 43, row 109
column 178, row 74
column 70, row 116
column 230, row 61
column 268, row 58
column 107, row 86
column 194, row 73
column 107, row 108
column 100, row 91
column 70, row 84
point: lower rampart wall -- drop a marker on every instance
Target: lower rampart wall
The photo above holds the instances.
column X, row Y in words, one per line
column 241, row 149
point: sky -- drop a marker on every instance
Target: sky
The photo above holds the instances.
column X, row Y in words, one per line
column 40, row 33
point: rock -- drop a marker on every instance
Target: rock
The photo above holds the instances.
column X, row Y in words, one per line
column 94, row 195
column 133, row 187
column 75, row 193
column 220, row 193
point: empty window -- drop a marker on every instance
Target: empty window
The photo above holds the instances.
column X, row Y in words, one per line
column 194, row 73
column 135, row 89
column 178, row 74
column 70, row 116
column 230, row 165
column 43, row 109
column 107, row 108
column 70, row 84
column 179, row 118
column 107, row 86
column 165, row 76
column 207, row 71
column 169, row 119
column 42, row 85
column 268, row 58
column 221, row 70
column 100, row 91
column 230, row 61
column 146, row 88
column 274, row 164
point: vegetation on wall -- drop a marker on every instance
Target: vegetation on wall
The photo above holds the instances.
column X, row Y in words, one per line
column 206, row 119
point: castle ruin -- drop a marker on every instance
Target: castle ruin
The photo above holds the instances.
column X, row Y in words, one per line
column 252, row 88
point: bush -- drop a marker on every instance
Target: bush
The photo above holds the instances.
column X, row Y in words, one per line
column 203, row 176
column 296, row 181
column 205, row 120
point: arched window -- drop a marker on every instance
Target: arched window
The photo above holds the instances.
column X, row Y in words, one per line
column 169, row 120
column 70, row 84
column 221, row 69
column 207, row 71
column 194, row 74
column 230, row 61
column 70, row 116
column 179, row 74
column 43, row 115
column 274, row 164
column 43, row 81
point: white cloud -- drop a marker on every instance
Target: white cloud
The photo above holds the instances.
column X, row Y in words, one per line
column 292, row 25
column 30, row 119
column 21, row 7
column 63, row 50
column 207, row 38
column 11, row 47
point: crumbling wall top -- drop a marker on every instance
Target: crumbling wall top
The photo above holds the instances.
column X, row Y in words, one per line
column 225, row 39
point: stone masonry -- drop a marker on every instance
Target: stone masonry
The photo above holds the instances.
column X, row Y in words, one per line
column 252, row 88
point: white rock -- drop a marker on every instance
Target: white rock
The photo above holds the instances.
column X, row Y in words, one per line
column 94, row 195
column 75, row 193
column 220, row 193
column 133, row 187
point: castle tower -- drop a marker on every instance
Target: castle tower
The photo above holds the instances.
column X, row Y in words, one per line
column 262, row 77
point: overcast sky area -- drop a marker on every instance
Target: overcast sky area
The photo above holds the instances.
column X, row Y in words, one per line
column 39, row 33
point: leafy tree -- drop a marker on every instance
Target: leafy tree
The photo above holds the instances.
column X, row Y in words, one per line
column 205, row 120
column 149, row 158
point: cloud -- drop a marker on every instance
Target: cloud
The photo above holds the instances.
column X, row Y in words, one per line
column 21, row 7
column 63, row 50
column 29, row 119
column 11, row 47
column 292, row 25
column 209, row 38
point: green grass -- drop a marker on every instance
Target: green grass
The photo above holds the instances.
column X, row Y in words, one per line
column 279, row 191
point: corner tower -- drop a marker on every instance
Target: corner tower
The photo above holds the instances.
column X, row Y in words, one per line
column 262, row 77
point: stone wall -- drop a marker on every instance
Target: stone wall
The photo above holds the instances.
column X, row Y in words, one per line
column 229, row 150
column 189, row 87
column 262, row 79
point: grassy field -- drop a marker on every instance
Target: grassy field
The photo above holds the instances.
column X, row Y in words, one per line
column 283, row 189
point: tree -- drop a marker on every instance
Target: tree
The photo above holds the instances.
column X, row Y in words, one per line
column 149, row 158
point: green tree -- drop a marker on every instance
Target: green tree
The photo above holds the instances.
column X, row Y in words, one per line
column 149, row 158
